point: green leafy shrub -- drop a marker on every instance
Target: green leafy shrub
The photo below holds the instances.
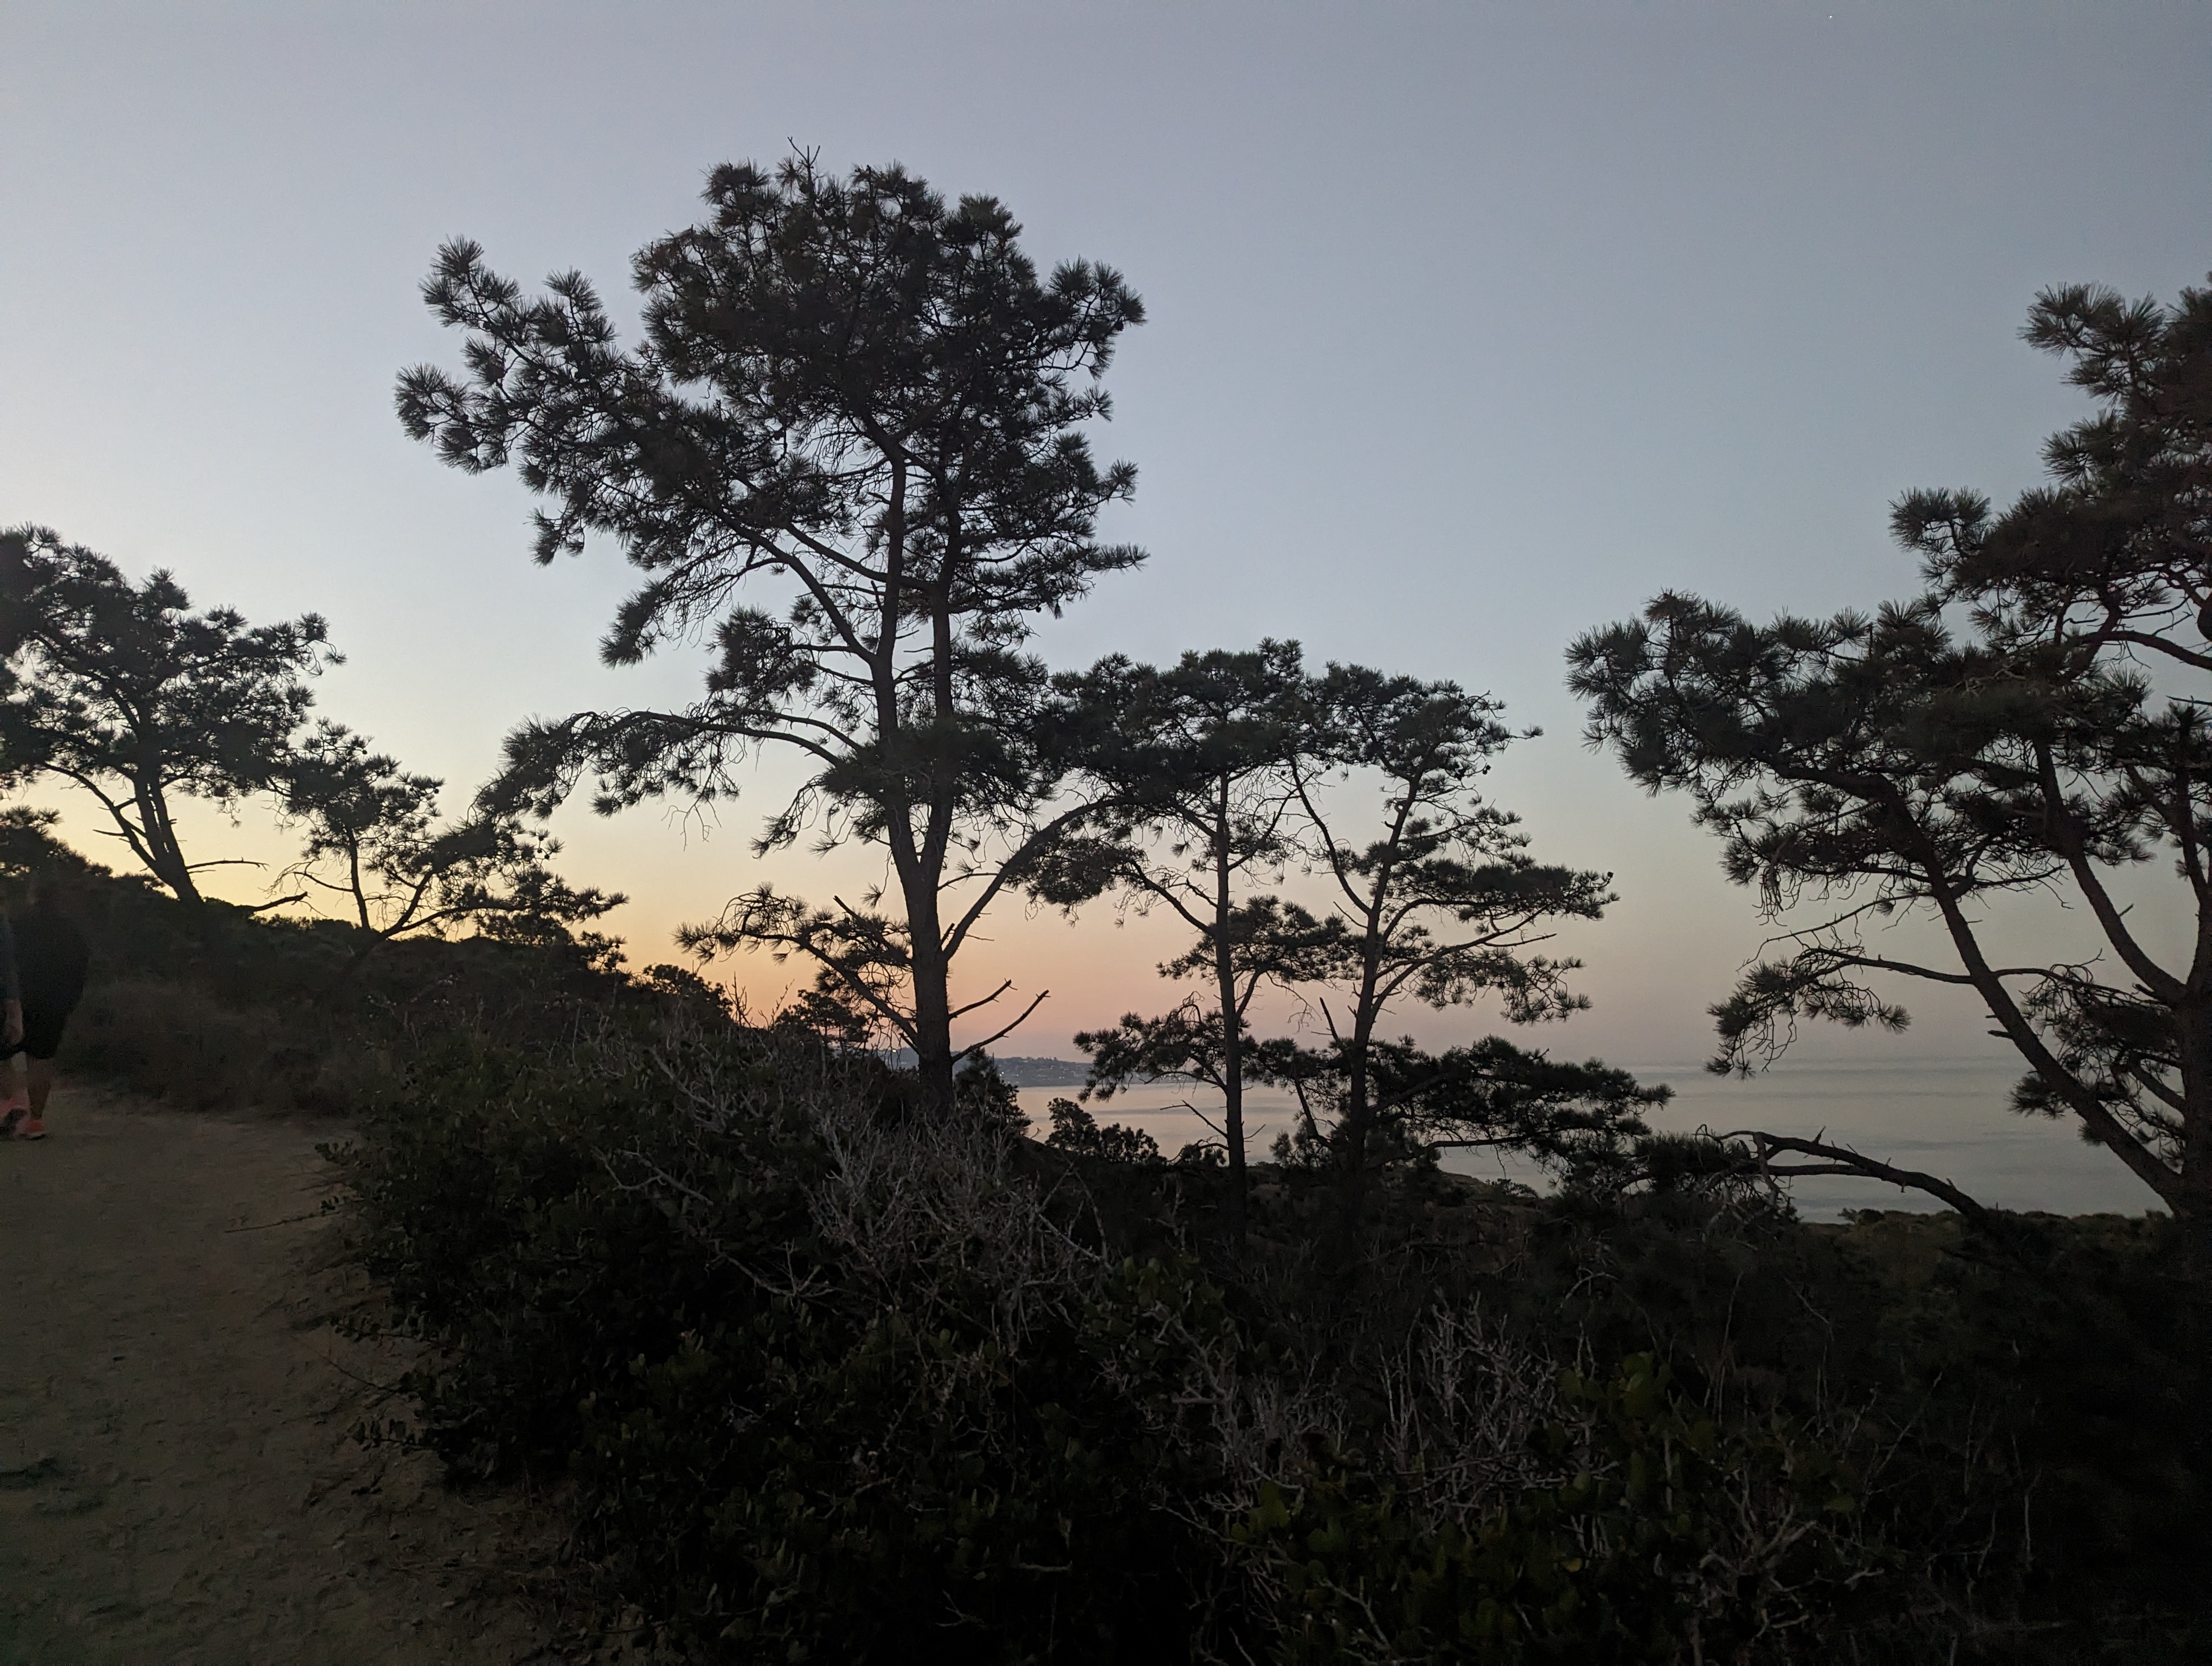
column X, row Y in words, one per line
column 834, row 1380
column 909, row 1488
column 490, row 1214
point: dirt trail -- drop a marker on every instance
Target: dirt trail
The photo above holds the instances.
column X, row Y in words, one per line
column 176, row 1480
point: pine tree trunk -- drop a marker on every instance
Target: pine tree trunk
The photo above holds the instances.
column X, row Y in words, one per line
column 933, row 1003
column 932, row 999
column 1232, row 1041
column 1354, row 1132
column 1359, row 1117
column 165, row 854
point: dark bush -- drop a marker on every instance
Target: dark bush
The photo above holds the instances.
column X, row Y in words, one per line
column 1647, row 1533
column 218, row 1006
column 834, row 1380
column 831, row 1384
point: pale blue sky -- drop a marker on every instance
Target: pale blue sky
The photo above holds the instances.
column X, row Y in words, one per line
column 1473, row 326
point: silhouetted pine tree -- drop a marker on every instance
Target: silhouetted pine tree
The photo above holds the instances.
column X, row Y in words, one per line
column 849, row 449
column 1435, row 899
column 1196, row 768
column 2035, row 720
column 122, row 689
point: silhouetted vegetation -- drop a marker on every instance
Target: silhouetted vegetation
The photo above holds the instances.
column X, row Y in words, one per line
column 826, row 1359
column 832, row 1377
column 374, row 846
column 1196, row 766
column 819, row 1369
column 860, row 407
column 2034, row 720
column 1216, row 778
column 118, row 688
column 206, row 1005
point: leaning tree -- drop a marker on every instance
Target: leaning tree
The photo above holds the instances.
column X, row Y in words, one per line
column 850, row 449
column 122, row 689
column 2034, row 724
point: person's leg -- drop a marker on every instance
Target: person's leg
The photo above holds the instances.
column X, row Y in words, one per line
column 42, row 1035
column 15, row 1100
column 40, row 1073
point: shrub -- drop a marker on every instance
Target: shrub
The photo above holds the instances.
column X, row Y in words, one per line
column 834, row 1380
column 1075, row 1129
column 829, row 1379
column 221, row 1007
column 1648, row 1533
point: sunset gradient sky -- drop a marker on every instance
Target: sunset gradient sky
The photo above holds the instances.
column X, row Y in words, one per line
column 1472, row 325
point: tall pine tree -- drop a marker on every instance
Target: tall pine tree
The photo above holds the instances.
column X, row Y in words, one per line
column 851, row 449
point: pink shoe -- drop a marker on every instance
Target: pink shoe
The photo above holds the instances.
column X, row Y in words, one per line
column 33, row 1128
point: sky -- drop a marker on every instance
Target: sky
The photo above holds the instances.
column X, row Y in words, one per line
column 1472, row 327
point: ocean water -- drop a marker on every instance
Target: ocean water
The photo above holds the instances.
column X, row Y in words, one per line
column 1943, row 1117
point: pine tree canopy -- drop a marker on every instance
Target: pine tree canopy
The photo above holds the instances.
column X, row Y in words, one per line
column 2034, row 722
column 850, row 451
column 122, row 689
column 374, row 846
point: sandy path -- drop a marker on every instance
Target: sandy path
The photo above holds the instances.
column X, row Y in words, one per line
column 176, row 1480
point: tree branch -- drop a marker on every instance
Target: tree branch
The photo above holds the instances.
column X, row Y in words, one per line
column 1839, row 1160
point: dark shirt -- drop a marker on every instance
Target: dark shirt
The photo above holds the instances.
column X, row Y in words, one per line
column 50, row 960
column 10, row 987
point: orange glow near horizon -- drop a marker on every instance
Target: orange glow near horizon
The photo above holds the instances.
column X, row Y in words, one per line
column 1667, row 950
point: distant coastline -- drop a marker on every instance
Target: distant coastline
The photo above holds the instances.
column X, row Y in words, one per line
column 1020, row 1071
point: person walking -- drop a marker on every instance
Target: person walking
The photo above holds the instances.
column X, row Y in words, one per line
column 11, row 1028
column 50, row 958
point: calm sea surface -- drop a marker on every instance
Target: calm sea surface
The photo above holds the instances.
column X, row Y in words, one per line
column 1944, row 1117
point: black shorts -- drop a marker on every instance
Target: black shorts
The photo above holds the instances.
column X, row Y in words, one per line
column 42, row 1029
